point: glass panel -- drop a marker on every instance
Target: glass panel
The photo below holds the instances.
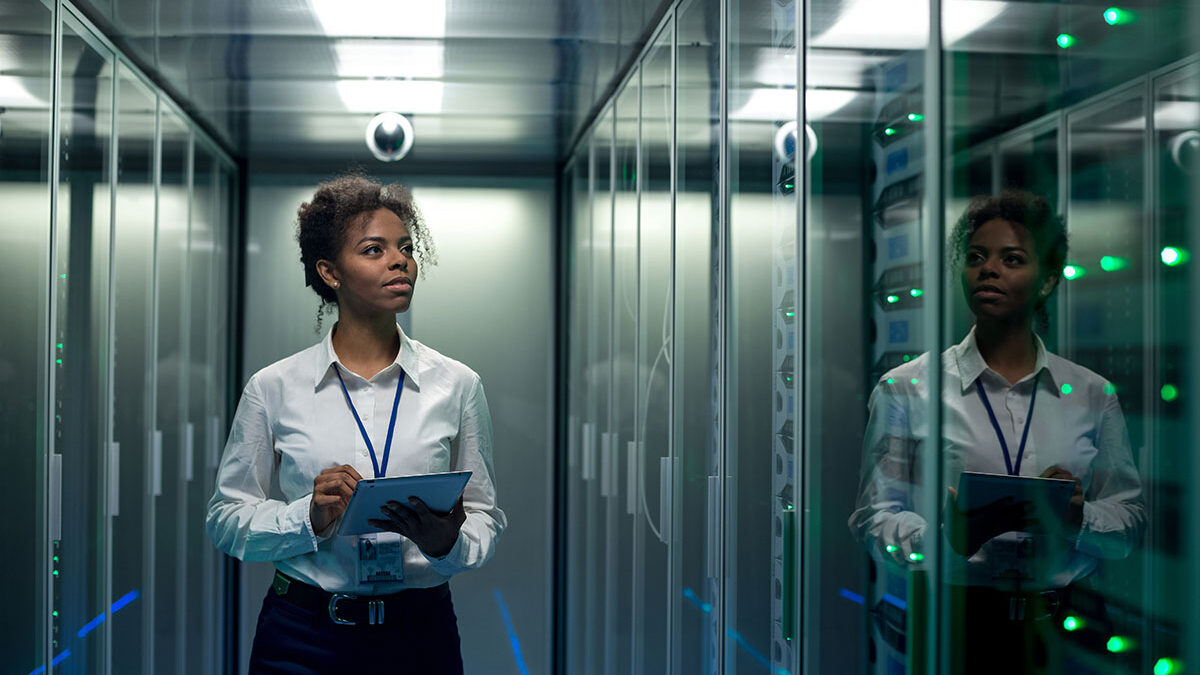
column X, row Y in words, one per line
column 198, row 474
column 621, row 447
column 655, row 530
column 81, row 261
column 170, row 566
column 1071, row 125
column 1176, row 142
column 598, row 378
column 580, row 315
column 867, row 317
column 760, row 492
column 133, row 335
column 26, row 53
column 696, row 630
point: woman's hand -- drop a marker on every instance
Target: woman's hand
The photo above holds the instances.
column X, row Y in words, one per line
column 433, row 533
column 331, row 494
column 1074, row 519
column 967, row 531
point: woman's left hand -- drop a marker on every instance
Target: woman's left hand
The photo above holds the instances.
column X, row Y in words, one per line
column 433, row 533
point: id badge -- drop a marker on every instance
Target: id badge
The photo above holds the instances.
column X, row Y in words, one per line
column 380, row 558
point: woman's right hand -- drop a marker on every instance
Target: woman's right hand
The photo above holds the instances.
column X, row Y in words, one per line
column 967, row 531
column 331, row 495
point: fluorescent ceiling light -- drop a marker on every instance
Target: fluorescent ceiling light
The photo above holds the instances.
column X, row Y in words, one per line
column 381, row 18
column 904, row 24
column 775, row 105
column 402, row 96
column 14, row 94
column 1177, row 116
column 422, row 59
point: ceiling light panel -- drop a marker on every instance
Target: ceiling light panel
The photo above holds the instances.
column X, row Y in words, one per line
column 904, row 24
column 382, row 18
column 421, row 59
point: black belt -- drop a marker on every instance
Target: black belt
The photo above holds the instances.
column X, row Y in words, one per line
column 1036, row 606
column 347, row 609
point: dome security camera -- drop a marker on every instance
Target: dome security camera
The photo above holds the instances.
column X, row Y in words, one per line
column 389, row 136
column 1185, row 149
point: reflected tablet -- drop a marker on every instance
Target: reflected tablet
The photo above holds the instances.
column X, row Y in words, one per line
column 1049, row 495
column 439, row 491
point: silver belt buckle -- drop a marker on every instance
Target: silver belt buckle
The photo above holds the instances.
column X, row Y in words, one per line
column 375, row 612
column 333, row 601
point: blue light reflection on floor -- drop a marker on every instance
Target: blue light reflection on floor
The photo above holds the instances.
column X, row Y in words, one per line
column 87, row 628
column 512, row 631
column 737, row 637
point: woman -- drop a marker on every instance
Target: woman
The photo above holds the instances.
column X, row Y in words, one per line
column 1009, row 407
column 365, row 401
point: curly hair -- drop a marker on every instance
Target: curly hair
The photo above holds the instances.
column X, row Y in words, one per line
column 1030, row 211
column 342, row 203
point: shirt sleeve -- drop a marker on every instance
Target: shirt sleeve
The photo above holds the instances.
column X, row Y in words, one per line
column 242, row 521
column 885, row 520
column 472, row 451
column 1114, row 512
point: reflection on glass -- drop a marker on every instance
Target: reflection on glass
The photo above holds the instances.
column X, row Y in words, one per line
column 169, row 446
column 657, row 465
column 24, row 252
column 696, row 627
column 81, row 326
column 132, row 335
column 760, row 511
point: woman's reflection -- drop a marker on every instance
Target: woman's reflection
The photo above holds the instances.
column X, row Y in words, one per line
column 1011, row 408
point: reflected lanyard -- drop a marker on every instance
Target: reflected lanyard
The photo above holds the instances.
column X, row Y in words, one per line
column 1012, row 470
column 380, row 470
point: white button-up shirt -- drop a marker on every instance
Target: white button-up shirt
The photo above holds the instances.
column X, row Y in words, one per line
column 1077, row 425
column 293, row 422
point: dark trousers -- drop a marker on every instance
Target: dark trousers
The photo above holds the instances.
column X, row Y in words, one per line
column 292, row 640
column 995, row 632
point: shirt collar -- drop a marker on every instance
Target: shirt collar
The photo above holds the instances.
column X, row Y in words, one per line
column 971, row 364
column 407, row 358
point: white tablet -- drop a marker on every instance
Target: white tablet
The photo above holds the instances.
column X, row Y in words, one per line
column 439, row 491
column 1049, row 495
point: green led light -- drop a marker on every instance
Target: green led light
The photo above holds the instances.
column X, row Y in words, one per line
column 1111, row 263
column 891, row 380
column 60, row 345
column 1169, row 392
column 890, row 548
column 889, row 132
column 1110, row 388
column 54, row 613
column 1117, row 644
column 1071, row 623
column 55, row 558
column 1166, row 666
column 789, row 186
column 789, row 314
column 893, row 299
column 916, row 292
column 915, row 117
column 58, row 361
column 1074, row 272
column 915, row 381
column 907, row 358
column 1067, row 389
column 1173, row 255
column 1065, row 40
column 916, row 557
column 55, row 572
column 1115, row 16
column 62, row 276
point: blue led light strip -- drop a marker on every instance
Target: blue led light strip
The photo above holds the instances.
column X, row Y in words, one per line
column 91, row 625
column 512, row 632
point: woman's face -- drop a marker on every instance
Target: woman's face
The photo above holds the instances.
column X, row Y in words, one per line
column 1002, row 277
column 375, row 271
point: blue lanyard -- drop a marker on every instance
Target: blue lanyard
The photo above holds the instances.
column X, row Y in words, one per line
column 387, row 445
column 1012, row 471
